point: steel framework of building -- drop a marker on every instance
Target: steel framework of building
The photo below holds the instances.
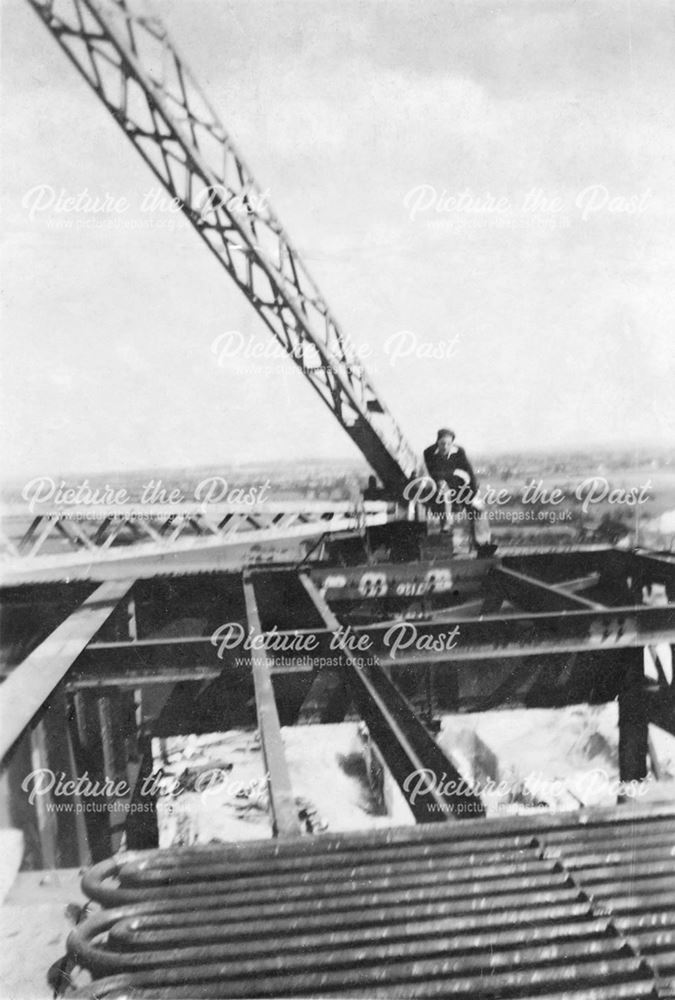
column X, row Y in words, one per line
column 93, row 599
column 520, row 633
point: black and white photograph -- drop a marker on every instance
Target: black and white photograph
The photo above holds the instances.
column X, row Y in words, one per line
column 337, row 500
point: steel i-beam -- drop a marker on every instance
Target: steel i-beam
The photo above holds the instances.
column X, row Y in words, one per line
column 409, row 750
column 284, row 813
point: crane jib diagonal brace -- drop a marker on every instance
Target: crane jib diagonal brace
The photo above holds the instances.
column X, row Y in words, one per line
column 129, row 60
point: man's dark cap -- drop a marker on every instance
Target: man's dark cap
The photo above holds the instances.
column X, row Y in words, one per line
column 445, row 432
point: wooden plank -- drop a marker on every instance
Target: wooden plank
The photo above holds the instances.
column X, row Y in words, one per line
column 284, row 813
column 33, row 680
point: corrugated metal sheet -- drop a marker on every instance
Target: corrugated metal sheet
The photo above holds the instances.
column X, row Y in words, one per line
column 570, row 906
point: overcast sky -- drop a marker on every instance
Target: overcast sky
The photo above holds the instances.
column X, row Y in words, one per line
column 359, row 118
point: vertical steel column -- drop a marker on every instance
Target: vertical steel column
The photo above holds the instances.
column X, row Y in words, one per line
column 89, row 755
column 633, row 721
column 44, row 803
column 59, row 818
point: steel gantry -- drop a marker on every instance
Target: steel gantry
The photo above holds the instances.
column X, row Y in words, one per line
column 100, row 610
column 543, row 644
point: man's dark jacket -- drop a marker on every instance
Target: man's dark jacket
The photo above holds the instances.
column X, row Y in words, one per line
column 455, row 469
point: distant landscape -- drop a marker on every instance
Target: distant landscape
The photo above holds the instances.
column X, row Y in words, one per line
column 610, row 495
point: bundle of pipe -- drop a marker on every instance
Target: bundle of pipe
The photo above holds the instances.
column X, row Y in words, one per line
column 576, row 905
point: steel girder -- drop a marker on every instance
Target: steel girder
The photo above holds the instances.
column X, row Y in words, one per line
column 404, row 742
column 30, row 684
column 98, row 658
column 284, row 813
column 412, row 643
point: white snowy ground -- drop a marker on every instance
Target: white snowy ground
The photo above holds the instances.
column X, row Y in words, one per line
column 521, row 760
column 528, row 759
column 328, row 776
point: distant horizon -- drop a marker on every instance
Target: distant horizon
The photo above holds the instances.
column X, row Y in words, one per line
column 349, row 463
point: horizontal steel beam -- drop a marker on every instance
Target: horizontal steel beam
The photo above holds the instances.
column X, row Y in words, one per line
column 535, row 634
column 457, row 639
column 451, row 577
column 98, row 675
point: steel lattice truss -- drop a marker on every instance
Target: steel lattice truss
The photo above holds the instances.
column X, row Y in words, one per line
column 133, row 66
column 78, row 540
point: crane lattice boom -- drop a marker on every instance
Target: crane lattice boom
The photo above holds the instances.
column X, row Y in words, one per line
column 131, row 63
